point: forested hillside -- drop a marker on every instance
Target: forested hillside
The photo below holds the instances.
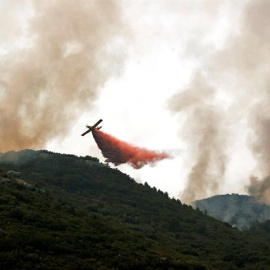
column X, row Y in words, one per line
column 74, row 211
column 240, row 211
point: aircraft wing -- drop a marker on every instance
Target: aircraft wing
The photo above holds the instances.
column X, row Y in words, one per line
column 90, row 128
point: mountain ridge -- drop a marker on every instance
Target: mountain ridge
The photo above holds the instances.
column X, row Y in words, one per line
column 191, row 239
column 241, row 211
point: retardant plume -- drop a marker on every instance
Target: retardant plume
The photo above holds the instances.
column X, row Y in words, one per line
column 68, row 50
column 119, row 152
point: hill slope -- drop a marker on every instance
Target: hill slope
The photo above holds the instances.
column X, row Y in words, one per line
column 165, row 228
column 240, row 211
column 41, row 232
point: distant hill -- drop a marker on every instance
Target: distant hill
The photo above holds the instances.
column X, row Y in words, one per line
column 67, row 212
column 240, row 211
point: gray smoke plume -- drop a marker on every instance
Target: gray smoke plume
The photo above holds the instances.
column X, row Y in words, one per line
column 260, row 189
column 203, row 130
column 70, row 52
column 241, row 69
column 257, row 19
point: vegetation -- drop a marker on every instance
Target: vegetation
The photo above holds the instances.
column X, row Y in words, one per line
column 240, row 211
column 76, row 213
column 41, row 231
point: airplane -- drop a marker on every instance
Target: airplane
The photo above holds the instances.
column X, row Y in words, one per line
column 91, row 128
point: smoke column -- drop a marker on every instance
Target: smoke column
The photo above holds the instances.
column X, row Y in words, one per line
column 69, row 51
column 254, row 61
column 204, row 131
column 238, row 69
column 119, row 152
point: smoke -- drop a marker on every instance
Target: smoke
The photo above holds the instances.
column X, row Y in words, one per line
column 260, row 189
column 119, row 152
column 69, row 50
column 68, row 53
column 259, row 141
column 239, row 70
column 204, row 131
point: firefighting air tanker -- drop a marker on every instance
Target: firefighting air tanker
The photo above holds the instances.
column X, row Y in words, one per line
column 91, row 128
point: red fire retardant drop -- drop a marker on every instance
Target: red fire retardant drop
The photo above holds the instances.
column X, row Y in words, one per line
column 119, row 152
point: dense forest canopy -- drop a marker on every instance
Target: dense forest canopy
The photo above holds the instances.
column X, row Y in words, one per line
column 77, row 212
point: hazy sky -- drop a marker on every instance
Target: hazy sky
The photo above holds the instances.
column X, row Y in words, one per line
column 180, row 76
